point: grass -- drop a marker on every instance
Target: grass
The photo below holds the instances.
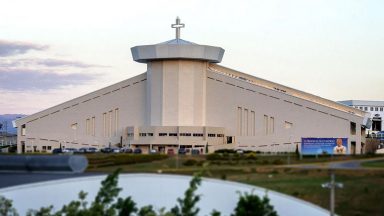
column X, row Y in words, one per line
column 374, row 164
column 361, row 195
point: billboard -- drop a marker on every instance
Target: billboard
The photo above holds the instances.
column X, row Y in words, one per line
column 318, row 146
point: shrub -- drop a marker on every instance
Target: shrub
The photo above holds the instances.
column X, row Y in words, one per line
column 190, row 162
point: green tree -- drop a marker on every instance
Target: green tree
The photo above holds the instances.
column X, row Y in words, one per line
column 252, row 205
column 6, row 207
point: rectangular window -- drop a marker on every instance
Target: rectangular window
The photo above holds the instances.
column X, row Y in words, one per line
column 365, row 108
column 371, row 108
column 266, row 124
column 287, row 125
column 239, row 121
column 110, row 114
column 353, row 128
column 23, row 129
column 381, row 108
column 185, row 134
column 172, row 134
column 87, row 126
column 253, row 123
column 163, row 134
column 272, row 124
column 211, row 135
column 150, row 134
column 49, row 147
column 220, row 135
column 93, row 129
column 246, row 122
column 197, row 134
column 376, row 108
column 116, row 121
column 105, row 124
column 44, row 148
column 130, row 135
column 142, row 134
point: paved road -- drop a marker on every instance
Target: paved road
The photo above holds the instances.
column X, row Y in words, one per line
column 350, row 164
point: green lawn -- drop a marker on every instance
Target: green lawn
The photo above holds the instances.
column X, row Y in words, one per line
column 374, row 164
column 362, row 193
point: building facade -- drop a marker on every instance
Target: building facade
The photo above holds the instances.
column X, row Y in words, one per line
column 375, row 110
column 186, row 100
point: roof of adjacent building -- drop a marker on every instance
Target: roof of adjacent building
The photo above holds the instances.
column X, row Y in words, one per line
column 362, row 103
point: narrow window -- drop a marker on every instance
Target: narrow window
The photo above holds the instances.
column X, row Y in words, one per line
column 272, row 124
column 93, row 125
column 110, row 114
column 116, row 121
column 105, row 124
column 253, row 123
column 245, row 122
column 23, row 130
column 266, row 124
column 353, row 128
column 239, row 121
column 87, row 126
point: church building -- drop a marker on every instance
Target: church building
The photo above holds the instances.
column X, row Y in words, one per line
column 186, row 99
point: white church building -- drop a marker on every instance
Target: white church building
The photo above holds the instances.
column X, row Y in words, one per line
column 186, row 100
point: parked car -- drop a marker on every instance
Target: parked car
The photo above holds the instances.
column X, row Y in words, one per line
column 57, row 151
column 126, row 150
column 170, row 152
column 88, row 150
column 195, row 152
column 153, row 151
column 92, row 150
column 115, row 150
column 182, row 151
column 137, row 151
column 70, row 150
column 106, row 150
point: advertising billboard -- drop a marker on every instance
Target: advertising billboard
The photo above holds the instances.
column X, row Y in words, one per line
column 318, row 146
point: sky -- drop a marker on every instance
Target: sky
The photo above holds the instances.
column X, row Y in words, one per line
column 54, row 51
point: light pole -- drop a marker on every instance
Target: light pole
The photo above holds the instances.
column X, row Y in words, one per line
column 332, row 185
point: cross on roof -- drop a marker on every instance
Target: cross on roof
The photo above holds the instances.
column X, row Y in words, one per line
column 177, row 26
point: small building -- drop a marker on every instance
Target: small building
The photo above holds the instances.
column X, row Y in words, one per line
column 186, row 99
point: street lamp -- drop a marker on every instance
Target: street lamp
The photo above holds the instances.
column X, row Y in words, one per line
column 332, row 185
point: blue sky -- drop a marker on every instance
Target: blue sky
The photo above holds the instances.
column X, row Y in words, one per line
column 52, row 51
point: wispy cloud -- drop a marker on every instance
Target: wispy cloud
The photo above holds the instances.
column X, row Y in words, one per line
column 11, row 48
column 29, row 79
column 40, row 62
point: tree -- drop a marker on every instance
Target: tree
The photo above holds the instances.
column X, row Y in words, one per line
column 252, row 205
column 6, row 207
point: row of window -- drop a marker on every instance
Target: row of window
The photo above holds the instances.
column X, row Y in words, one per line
column 175, row 134
column 110, row 122
column 370, row 108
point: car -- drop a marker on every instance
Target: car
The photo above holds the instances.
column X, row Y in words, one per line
column 195, row 152
column 106, row 150
column 92, row 150
column 170, row 152
column 88, row 150
column 137, row 151
column 126, row 150
column 153, row 151
column 182, row 151
column 83, row 150
column 70, row 150
column 57, row 151
column 115, row 150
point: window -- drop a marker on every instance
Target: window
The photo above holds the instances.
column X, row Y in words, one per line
column 287, row 125
column 197, row 134
column 239, row 121
column 185, row 134
column 49, row 147
column 272, row 124
column 211, row 135
column 172, row 134
column 74, row 126
column 252, row 123
column 361, row 108
column 116, row 121
column 130, row 135
column 365, row 108
column 142, row 134
column 88, row 126
column 23, row 130
column 376, row 108
column 110, row 113
column 220, row 135
column 371, row 108
column 105, row 124
column 381, row 108
column 44, row 148
column 163, row 134
column 245, row 131
column 353, row 128
column 93, row 131
column 150, row 134
column 266, row 124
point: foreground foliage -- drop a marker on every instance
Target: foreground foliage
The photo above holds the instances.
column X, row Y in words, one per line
column 108, row 203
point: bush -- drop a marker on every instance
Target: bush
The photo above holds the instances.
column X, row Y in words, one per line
column 190, row 162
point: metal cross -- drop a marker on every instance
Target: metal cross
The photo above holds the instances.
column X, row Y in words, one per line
column 177, row 26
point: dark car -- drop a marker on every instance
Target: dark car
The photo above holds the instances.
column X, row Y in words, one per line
column 195, row 152
column 182, row 151
column 137, row 151
column 57, row 151
column 106, row 150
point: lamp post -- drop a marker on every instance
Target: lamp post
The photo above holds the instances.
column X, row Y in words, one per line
column 332, row 185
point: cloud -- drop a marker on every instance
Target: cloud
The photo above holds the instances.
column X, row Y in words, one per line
column 11, row 48
column 36, row 62
column 28, row 79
